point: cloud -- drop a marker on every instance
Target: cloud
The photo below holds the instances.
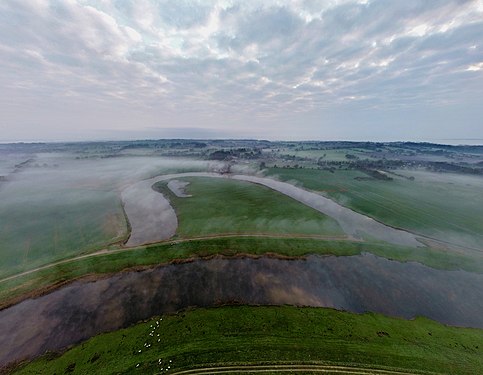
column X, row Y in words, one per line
column 233, row 63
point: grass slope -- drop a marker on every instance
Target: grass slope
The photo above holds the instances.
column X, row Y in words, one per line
column 240, row 334
column 443, row 206
column 226, row 206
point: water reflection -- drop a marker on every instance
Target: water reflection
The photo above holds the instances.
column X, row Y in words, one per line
column 357, row 283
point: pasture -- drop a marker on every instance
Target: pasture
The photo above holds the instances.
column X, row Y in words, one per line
column 62, row 212
column 38, row 227
column 448, row 207
column 219, row 206
column 241, row 335
column 58, row 206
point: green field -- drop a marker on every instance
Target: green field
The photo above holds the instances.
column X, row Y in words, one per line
column 69, row 207
column 43, row 226
column 447, row 207
column 225, row 206
column 242, row 335
column 52, row 215
column 217, row 207
column 145, row 256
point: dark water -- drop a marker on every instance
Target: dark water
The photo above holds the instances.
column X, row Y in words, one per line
column 358, row 283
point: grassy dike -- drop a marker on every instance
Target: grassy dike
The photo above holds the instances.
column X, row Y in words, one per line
column 40, row 281
column 236, row 335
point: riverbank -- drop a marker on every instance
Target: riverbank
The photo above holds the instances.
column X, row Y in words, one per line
column 356, row 283
column 238, row 335
column 45, row 279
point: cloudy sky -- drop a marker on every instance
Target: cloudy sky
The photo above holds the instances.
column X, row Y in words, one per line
column 338, row 69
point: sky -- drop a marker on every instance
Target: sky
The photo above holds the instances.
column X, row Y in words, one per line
column 380, row 70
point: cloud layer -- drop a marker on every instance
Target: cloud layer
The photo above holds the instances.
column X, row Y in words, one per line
column 275, row 69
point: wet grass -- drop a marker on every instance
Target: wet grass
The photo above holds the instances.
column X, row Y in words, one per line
column 240, row 334
column 226, row 206
column 448, row 207
column 13, row 289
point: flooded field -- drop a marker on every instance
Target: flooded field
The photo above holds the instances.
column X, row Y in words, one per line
column 141, row 202
column 357, row 283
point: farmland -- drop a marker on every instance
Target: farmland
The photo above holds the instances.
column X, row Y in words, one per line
column 58, row 207
column 442, row 206
column 43, row 223
column 241, row 187
column 63, row 217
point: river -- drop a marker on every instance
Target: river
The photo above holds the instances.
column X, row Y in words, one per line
column 359, row 283
column 152, row 218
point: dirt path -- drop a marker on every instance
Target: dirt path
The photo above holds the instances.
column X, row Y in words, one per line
column 331, row 369
column 214, row 236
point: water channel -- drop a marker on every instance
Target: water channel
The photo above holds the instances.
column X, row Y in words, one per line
column 354, row 283
column 152, row 218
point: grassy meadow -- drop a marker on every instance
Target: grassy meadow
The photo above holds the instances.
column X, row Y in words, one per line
column 59, row 207
column 220, row 206
column 45, row 226
column 447, row 207
column 242, row 335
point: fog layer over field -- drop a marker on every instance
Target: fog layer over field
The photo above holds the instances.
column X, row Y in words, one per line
column 55, row 206
column 140, row 203
column 352, row 222
column 444, row 206
column 150, row 215
column 357, row 283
